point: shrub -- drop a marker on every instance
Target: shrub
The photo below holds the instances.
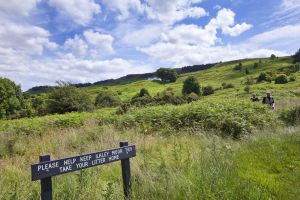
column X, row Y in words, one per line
column 256, row 65
column 292, row 78
column 249, row 81
column 281, row 79
column 207, row 90
column 191, row 85
column 192, row 97
column 167, row 75
column 11, row 99
column 247, row 89
column 227, row 85
column 297, row 56
column 273, row 57
column 67, row 98
column 168, row 97
column 238, row 67
column 247, row 71
column 106, row 99
column 263, row 76
column 144, row 92
column 292, row 116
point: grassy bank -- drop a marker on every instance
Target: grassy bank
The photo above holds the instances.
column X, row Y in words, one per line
column 180, row 166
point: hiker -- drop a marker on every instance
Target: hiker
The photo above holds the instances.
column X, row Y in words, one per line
column 269, row 100
column 254, row 97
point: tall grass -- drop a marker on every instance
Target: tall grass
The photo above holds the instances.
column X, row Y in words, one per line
column 179, row 166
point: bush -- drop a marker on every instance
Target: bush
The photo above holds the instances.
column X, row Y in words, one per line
column 247, row 71
column 256, row 65
column 297, row 56
column 281, row 79
column 11, row 99
column 238, row 67
column 67, row 98
column 192, row 97
column 191, row 85
column 263, row 76
column 249, row 81
column 292, row 78
column 168, row 97
column 292, row 116
column 227, row 85
column 273, row 57
column 247, row 89
column 167, row 75
column 106, row 99
column 208, row 90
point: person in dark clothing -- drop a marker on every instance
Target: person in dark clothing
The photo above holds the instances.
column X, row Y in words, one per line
column 269, row 100
column 254, row 97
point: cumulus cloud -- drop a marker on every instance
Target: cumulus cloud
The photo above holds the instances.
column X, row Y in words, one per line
column 123, row 7
column 76, row 45
column 100, row 41
column 78, row 11
column 17, row 7
column 25, row 38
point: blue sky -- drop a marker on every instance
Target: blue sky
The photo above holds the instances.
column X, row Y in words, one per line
column 42, row 41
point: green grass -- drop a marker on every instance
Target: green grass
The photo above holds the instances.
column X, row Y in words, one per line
column 179, row 166
column 183, row 152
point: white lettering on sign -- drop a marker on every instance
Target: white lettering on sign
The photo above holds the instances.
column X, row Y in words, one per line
column 85, row 158
column 102, row 154
column 47, row 166
column 69, row 161
column 65, row 168
column 98, row 161
column 128, row 149
column 117, row 151
column 112, row 158
column 81, row 165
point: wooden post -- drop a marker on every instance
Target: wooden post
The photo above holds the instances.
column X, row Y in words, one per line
column 125, row 163
column 46, row 183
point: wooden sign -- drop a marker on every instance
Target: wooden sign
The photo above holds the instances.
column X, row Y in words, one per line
column 46, row 168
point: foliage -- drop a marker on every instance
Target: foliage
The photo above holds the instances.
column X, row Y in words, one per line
column 168, row 97
column 291, row 116
column 167, row 75
column 247, row 89
column 190, row 85
column 67, row 98
column 297, row 56
column 292, row 78
column 208, row 90
column 273, row 57
column 281, row 79
column 192, row 97
column 249, row 80
column 106, row 99
column 247, row 71
column 11, row 99
column 256, row 65
column 238, row 67
column 263, row 76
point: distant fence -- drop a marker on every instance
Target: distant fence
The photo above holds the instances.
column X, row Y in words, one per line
column 45, row 169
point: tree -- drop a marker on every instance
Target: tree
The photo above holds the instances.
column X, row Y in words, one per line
column 11, row 99
column 106, row 99
column 67, row 98
column 191, row 85
column 281, row 79
column 273, row 57
column 167, row 75
column 297, row 56
column 207, row 90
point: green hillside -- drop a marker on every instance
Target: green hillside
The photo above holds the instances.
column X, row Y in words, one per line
column 215, row 76
column 222, row 146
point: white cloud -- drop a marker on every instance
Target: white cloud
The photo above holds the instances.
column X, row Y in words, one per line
column 288, row 12
column 100, row 41
column 170, row 11
column 26, row 39
column 237, row 29
column 76, row 45
column 123, row 7
column 17, row 7
column 79, row 11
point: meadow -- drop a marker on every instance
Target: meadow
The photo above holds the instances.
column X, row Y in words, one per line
column 222, row 146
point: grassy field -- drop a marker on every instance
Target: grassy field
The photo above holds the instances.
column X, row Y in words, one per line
column 220, row 147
